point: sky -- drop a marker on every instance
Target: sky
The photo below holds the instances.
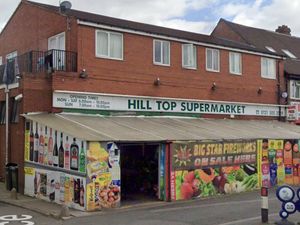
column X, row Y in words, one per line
column 198, row 16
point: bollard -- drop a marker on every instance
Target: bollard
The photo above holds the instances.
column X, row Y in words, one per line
column 64, row 212
column 264, row 205
column 13, row 194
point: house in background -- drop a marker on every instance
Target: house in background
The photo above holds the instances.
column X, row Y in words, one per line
column 110, row 104
column 279, row 41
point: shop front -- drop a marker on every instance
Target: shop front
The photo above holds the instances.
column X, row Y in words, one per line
column 94, row 161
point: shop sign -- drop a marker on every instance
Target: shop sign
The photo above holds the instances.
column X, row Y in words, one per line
column 190, row 155
column 95, row 101
column 291, row 113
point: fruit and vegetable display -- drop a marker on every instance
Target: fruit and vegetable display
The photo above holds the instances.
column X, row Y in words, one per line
column 109, row 196
column 211, row 181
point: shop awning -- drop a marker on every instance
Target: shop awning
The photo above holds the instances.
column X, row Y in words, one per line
column 126, row 128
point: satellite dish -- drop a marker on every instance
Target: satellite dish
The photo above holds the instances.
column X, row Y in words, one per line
column 65, row 6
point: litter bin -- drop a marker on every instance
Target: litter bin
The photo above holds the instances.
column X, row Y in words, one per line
column 11, row 176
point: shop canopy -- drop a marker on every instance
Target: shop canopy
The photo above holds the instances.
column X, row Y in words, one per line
column 134, row 129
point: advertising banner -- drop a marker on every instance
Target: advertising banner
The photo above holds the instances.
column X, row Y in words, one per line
column 202, row 169
column 103, row 175
column 56, row 187
column 162, row 165
column 190, row 155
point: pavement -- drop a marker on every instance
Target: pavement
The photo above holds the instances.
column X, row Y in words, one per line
column 244, row 208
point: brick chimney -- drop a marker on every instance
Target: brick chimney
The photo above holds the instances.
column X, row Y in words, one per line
column 283, row 29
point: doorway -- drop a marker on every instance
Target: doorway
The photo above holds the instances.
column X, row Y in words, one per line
column 139, row 172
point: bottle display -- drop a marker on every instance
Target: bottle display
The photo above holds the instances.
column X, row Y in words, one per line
column 67, row 154
column 76, row 191
column 81, row 200
column 74, row 155
column 55, row 151
column 31, row 142
column 46, row 156
column 50, row 149
column 36, row 144
column 41, row 146
column 82, row 159
column 61, row 154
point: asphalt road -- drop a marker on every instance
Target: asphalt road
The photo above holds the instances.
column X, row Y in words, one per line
column 235, row 209
column 12, row 215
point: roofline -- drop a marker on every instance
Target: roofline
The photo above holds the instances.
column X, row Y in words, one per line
column 12, row 15
column 142, row 33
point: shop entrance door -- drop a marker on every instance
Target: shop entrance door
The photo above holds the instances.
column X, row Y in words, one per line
column 139, row 172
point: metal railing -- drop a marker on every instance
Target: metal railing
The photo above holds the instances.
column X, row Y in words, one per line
column 37, row 62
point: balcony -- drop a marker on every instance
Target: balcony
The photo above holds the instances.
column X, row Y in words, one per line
column 38, row 62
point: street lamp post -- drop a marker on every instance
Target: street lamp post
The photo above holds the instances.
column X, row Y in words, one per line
column 6, row 121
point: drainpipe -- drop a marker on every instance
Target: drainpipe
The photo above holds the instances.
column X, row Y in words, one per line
column 7, row 121
column 278, row 91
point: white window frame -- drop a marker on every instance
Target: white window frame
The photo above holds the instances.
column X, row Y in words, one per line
column 161, row 50
column 212, row 62
column 193, row 56
column 238, row 56
column 1, row 62
column 294, row 84
column 108, row 43
column 268, row 74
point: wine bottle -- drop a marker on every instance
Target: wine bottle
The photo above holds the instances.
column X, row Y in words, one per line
column 55, row 150
column 41, row 146
column 61, row 157
column 50, row 149
column 67, row 154
column 74, row 155
column 36, row 144
column 82, row 159
column 46, row 154
column 31, row 142
column 81, row 200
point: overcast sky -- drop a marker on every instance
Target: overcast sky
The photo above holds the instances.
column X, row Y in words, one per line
column 193, row 15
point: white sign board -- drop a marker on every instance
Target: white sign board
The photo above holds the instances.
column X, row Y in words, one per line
column 95, row 101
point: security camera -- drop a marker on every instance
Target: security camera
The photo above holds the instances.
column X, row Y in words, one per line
column 19, row 97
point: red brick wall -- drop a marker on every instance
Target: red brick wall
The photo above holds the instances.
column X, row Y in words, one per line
column 136, row 73
column 224, row 31
column 31, row 26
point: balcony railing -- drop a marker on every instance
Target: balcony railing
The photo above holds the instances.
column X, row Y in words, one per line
column 37, row 62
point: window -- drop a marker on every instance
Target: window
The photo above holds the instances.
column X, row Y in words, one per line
column 189, row 56
column 2, row 112
column 270, row 49
column 268, row 69
column 161, row 52
column 109, row 45
column 295, row 89
column 212, row 60
column 289, row 54
column 235, row 63
column 14, row 118
column 1, row 60
column 11, row 55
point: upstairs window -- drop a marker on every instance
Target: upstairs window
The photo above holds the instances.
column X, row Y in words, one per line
column 268, row 68
column 235, row 63
column 161, row 52
column 109, row 45
column 295, row 89
column 212, row 60
column 1, row 60
column 289, row 54
column 14, row 118
column 270, row 49
column 2, row 112
column 189, row 56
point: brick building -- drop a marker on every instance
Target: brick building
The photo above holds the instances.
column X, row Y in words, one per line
column 280, row 41
column 68, row 64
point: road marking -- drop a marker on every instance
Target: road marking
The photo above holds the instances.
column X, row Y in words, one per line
column 246, row 219
column 207, row 205
column 23, row 219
